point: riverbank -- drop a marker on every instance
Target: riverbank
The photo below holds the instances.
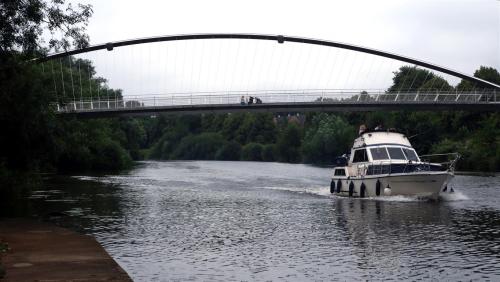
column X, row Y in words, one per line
column 44, row 252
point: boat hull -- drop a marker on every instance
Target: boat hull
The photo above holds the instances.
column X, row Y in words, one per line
column 427, row 185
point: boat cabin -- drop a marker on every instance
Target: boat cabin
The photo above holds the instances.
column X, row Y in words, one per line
column 382, row 152
column 381, row 146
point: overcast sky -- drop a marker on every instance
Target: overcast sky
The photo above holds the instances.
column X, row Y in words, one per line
column 458, row 34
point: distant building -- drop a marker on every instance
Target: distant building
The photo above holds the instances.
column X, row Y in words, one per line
column 282, row 118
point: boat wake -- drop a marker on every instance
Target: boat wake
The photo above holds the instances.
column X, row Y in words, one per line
column 398, row 198
column 443, row 197
column 453, row 197
column 318, row 191
column 325, row 191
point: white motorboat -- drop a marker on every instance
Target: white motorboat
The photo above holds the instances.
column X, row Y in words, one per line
column 384, row 163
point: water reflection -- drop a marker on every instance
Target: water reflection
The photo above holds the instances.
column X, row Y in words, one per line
column 77, row 204
column 266, row 221
column 420, row 239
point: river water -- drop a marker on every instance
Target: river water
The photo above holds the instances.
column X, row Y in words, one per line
column 207, row 220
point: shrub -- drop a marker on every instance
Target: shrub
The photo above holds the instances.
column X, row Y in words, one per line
column 109, row 155
column 288, row 144
column 252, row 152
column 269, row 153
column 230, row 151
column 329, row 137
column 198, row 147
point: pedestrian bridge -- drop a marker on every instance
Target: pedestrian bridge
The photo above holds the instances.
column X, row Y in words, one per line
column 213, row 73
column 285, row 101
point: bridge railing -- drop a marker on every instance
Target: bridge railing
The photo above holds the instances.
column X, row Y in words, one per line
column 286, row 96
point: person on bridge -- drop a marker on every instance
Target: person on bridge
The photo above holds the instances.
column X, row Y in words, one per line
column 250, row 100
column 243, row 102
column 258, row 100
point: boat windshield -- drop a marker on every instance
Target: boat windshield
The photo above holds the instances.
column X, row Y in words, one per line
column 396, row 153
column 410, row 155
column 388, row 153
column 379, row 153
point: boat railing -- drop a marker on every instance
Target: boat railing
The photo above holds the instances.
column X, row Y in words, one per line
column 382, row 167
column 390, row 166
column 427, row 163
column 448, row 160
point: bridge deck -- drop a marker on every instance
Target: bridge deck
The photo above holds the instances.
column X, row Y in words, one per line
column 287, row 107
column 282, row 102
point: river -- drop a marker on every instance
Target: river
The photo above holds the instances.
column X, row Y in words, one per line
column 233, row 221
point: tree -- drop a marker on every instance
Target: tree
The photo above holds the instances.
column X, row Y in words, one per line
column 288, row 144
column 22, row 24
column 436, row 83
column 409, row 78
column 135, row 136
column 24, row 99
column 269, row 153
column 198, row 147
column 330, row 136
column 256, row 128
column 252, row 152
column 24, row 115
column 362, row 96
column 231, row 125
column 212, row 122
column 486, row 73
column 230, row 151
column 489, row 74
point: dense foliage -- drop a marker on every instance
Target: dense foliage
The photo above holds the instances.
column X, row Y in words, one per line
column 245, row 136
column 23, row 22
column 33, row 138
column 322, row 137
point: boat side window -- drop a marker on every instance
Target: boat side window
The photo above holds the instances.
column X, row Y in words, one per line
column 411, row 155
column 379, row 153
column 396, row 153
column 339, row 172
column 360, row 156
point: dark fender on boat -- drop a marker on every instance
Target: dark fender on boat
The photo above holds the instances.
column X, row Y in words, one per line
column 362, row 190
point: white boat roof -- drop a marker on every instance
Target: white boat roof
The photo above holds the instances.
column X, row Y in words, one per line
column 381, row 138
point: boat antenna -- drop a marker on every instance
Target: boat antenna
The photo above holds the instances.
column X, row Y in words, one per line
column 419, row 133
